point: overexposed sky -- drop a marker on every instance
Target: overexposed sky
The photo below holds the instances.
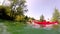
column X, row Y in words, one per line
column 38, row 7
column 1, row 2
column 5, row 3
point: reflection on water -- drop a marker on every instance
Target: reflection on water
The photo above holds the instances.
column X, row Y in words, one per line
column 27, row 30
column 3, row 29
column 36, row 27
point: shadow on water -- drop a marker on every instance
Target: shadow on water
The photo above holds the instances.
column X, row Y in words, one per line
column 26, row 30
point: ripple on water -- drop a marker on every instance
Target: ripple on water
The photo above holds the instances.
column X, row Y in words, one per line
column 3, row 29
column 36, row 27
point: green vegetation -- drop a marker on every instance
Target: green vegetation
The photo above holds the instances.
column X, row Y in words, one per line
column 12, row 12
column 13, row 17
column 41, row 18
column 56, row 15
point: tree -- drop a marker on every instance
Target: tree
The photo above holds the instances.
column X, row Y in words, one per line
column 41, row 18
column 56, row 15
column 19, row 18
column 20, row 10
column 3, row 13
column 26, row 18
column 17, row 8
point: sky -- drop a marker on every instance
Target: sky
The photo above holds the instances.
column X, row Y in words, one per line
column 5, row 3
column 1, row 2
column 38, row 7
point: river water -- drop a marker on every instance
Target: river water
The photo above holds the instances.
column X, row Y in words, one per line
column 26, row 30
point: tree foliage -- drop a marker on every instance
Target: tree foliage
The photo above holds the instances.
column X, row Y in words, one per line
column 16, row 9
column 56, row 15
column 41, row 18
column 3, row 14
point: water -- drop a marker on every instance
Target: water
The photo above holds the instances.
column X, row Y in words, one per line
column 26, row 30
column 3, row 29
